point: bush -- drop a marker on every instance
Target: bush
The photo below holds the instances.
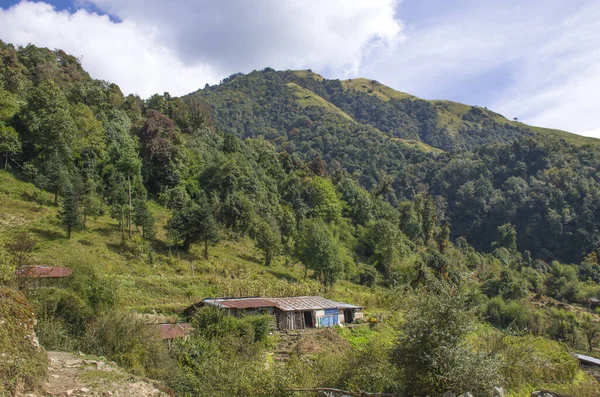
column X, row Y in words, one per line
column 66, row 307
column 432, row 353
column 502, row 314
column 212, row 323
column 124, row 338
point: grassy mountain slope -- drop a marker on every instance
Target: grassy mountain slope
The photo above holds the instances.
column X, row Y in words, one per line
column 156, row 279
column 438, row 123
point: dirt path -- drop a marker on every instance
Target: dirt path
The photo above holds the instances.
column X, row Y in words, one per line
column 72, row 375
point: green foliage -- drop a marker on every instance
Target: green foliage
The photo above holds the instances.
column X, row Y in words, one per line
column 10, row 142
column 267, row 240
column 323, row 200
column 432, row 352
column 193, row 223
column 70, row 213
column 319, row 250
column 128, row 341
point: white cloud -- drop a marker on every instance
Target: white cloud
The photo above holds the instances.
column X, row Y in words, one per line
column 179, row 46
column 241, row 35
column 539, row 61
column 126, row 53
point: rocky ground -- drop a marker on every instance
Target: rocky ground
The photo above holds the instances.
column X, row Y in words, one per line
column 73, row 375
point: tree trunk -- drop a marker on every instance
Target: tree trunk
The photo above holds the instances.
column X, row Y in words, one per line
column 84, row 215
column 205, row 246
column 68, row 231
column 122, row 226
column 129, row 197
column 56, row 197
column 6, row 161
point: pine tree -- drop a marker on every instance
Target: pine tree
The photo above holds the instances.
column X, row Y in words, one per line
column 143, row 217
column 69, row 214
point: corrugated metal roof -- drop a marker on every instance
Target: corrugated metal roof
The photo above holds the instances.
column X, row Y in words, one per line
column 172, row 331
column 44, row 272
column 588, row 359
column 285, row 304
column 242, row 303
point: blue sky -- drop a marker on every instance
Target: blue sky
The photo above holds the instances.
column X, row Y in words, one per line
column 538, row 60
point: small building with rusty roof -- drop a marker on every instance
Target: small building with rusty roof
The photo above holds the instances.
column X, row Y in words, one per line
column 298, row 312
column 36, row 276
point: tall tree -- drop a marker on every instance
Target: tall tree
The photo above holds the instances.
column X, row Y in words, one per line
column 143, row 217
column 69, row 214
column 192, row 223
column 319, row 250
column 10, row 142
column 267, row 239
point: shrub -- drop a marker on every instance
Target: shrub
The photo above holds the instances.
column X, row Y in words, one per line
column 502, row 314
column 124, row 338
column 432, row 353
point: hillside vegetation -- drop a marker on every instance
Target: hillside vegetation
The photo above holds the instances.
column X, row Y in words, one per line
column 467, row 240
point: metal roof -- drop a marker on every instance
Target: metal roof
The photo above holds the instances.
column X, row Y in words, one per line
column 242, row 303
column 44, row 272
column 587, row 359
column 285, row 304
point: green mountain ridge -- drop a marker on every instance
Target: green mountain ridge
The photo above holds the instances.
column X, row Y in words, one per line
column 455, row 124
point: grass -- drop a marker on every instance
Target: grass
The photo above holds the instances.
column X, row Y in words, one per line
column 374, row 88
column 450, row 113
column 306, row 98
column 307, row 73
column 171, row 279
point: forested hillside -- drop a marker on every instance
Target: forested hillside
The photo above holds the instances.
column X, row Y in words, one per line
column 492, row 171
column 285, row 183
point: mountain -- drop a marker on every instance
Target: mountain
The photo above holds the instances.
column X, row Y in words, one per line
column 287, row 184
column 445, row 125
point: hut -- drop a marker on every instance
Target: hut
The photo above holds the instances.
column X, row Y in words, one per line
column 37, row 276
column 298, row 312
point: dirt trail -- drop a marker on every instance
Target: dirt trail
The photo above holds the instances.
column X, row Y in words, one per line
column 72, row 375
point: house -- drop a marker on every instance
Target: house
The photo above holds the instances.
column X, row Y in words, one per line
column 291, row 313
column 589, row 365
column 42, row 275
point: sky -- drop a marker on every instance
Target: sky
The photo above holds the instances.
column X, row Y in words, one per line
column 538, row 60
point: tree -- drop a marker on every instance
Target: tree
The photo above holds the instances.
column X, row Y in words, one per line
column 433, row 353
column 507, row 238
column 89, row 140
column 143, row 217
column 267, row 240
column 319, row 250
column 10, row 143
column 323, row 199
column 591, row 329
column 50, row 127
column 192, row 223
column 56, row 175
column 69, row 214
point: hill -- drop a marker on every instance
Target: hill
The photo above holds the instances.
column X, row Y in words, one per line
column 285, row 183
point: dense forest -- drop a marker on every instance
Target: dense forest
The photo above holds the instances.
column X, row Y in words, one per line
column 430, row 209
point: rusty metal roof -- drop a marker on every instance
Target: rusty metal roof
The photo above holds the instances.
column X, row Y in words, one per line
column 285, row 304
column 240, row 303
column 44, row 272
column 172, row 331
